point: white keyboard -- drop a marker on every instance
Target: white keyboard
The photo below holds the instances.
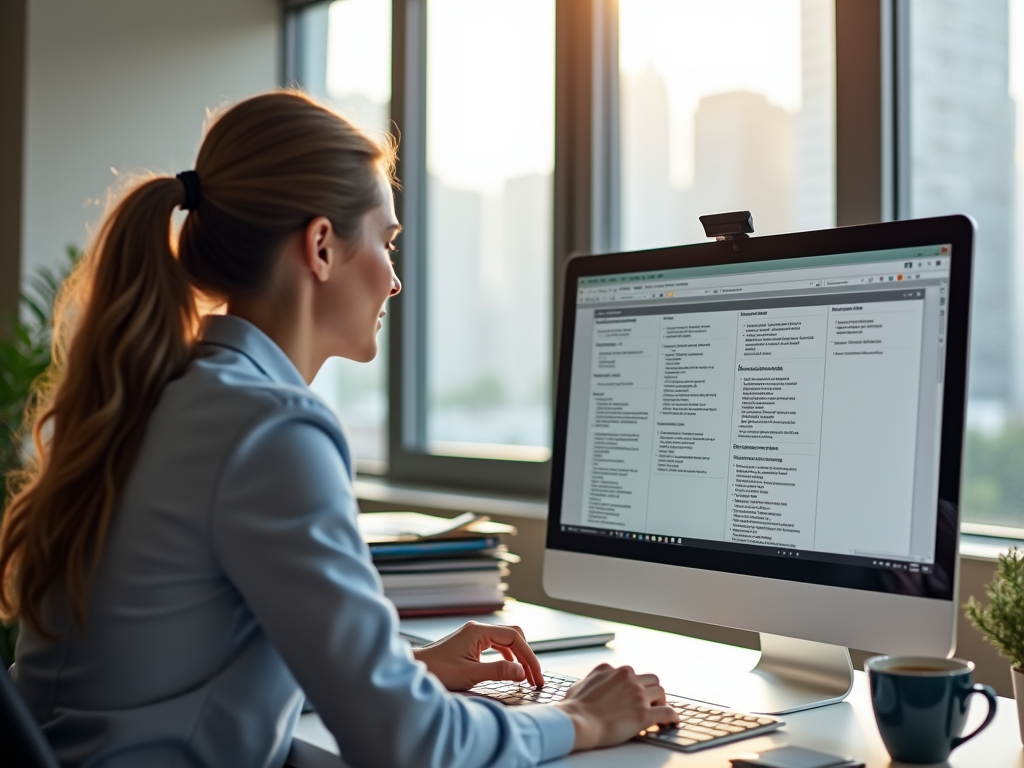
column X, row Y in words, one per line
column 700, row 725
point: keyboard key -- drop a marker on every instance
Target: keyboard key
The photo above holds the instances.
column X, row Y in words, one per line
column 686, row 733
column 707, row 730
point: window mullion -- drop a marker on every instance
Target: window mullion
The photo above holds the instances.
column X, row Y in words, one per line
column 409, row 459
column 605, row 219
column 859, row 113
column 407, row 380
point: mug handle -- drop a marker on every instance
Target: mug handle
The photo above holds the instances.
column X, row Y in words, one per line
column 989, row 694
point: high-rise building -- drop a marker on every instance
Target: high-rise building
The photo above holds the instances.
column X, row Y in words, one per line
column 650, row 204
column 454, row 338
column 962, row 122
column 489, row 313
column 524, row 352
column 744, row 159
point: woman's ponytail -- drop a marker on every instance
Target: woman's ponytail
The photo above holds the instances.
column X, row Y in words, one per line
column 123, row 327
column 127, row 319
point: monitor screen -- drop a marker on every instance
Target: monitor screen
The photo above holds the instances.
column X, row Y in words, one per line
column 780, row 417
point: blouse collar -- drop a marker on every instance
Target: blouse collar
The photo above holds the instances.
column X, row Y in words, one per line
column 244, row 337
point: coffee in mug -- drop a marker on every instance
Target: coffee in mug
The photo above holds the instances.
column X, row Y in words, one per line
column 921, row 703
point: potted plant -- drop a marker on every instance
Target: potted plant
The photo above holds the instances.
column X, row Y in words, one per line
column 24, row 357
column 1002, row 620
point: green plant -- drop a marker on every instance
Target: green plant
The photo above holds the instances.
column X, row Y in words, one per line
column 1002, row 621
column 24, row 357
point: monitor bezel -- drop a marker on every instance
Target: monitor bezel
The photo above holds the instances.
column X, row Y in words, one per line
column 958, row 231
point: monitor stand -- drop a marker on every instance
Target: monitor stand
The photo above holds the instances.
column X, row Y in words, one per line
column 791, row 675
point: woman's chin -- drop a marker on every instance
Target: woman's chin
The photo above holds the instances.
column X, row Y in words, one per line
column 367, row 354
column 357, row 352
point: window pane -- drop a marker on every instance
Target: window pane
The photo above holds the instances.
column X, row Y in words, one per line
column 967, row 78
column 353, row 38
column 490, row 159
column 725, row 105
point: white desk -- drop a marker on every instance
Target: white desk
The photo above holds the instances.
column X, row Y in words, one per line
column 846, row 728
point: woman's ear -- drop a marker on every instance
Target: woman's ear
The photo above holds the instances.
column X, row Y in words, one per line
column 320, row 248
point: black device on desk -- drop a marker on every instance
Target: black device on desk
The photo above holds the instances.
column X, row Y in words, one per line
column 766, row 433
column 795, row 757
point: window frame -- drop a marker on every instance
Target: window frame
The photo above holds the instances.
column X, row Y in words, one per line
column 871, row 175
column 584, row 220
column 408, row 459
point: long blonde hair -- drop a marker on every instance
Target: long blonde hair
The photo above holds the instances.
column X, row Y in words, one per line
column 126, row 321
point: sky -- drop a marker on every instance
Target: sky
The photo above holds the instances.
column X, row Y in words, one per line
column 490, row 82
column 359, row 49
column 490, row 91
column 703, row 47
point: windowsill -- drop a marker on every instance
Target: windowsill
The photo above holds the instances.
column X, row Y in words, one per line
column 972, row 545
column 986, row 548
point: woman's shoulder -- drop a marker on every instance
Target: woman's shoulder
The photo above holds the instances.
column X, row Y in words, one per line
column 223, row 393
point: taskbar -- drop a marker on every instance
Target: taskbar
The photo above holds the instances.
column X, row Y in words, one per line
column 881, row 562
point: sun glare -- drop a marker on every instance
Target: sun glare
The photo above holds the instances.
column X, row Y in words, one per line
column 490, row 91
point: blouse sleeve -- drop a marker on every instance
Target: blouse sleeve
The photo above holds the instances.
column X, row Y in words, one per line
column 284, row 529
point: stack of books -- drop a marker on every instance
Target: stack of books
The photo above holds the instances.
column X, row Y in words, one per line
column 436, row 566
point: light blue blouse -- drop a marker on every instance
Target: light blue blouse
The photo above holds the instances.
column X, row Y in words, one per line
column 233, row 579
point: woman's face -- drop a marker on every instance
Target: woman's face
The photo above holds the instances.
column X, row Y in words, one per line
column 358, row 291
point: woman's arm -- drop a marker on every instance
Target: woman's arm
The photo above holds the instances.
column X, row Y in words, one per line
column 285, row 532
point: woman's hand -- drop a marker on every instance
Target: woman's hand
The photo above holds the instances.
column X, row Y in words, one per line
column 612, row 705
column 455, row 659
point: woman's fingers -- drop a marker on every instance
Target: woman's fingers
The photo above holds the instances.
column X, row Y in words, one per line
column 655, row 695
column 648, row 680
column 502, row 670
column 510, row 638
column 611, row 705
column 663, row 715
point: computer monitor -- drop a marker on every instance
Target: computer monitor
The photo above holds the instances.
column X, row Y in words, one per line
column 766, row 434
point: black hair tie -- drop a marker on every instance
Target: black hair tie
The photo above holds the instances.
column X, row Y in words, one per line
column 191, row 181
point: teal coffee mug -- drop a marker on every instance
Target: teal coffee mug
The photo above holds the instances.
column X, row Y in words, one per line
column 921, row 703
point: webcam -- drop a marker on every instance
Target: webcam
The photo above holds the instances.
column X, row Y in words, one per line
column 735, row 225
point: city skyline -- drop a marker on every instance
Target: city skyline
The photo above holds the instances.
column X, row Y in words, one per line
column 787, row 181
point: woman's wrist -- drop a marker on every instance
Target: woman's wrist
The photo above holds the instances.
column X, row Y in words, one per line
column 582, row 724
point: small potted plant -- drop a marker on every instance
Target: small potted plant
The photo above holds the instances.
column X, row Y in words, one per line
column 1002, row 620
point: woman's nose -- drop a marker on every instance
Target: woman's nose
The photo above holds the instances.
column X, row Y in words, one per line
column 396, row 286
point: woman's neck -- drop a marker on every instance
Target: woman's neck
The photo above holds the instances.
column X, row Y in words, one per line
column 282, row 319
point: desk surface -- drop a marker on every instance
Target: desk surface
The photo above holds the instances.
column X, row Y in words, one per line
column 846, row 728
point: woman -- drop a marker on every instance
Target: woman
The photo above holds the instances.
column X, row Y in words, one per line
column 183, row 552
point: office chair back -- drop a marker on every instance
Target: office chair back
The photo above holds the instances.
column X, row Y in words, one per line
column 21, row 741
